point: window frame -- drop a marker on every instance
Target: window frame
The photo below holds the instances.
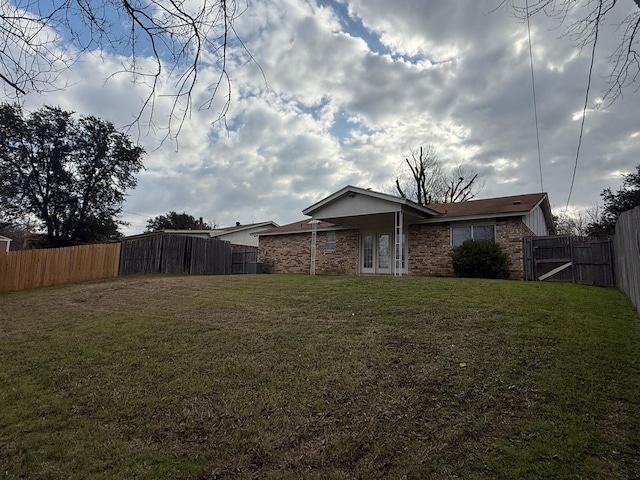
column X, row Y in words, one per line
column 471, row 226
column 330, row 245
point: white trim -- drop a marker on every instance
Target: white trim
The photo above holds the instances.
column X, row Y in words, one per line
column 399, row 246
column 471, row 218
column 306, row 230
column 314, row 241
column 8, row 240
column 351, row 190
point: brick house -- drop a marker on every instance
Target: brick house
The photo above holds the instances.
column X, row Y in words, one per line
column 356, row 231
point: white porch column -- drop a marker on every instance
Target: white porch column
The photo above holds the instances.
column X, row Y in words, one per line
column 314, row 235
column 399, row 249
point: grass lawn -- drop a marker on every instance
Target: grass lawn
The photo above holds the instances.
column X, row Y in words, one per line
column 272, row 376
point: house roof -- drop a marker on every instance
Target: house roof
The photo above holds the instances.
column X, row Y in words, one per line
column 514, row 205
column 511, row 206
column 352, row 192
column 239, row 228
column 211, row 233
column 2, row 237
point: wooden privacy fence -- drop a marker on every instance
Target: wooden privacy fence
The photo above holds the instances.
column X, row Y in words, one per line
column 626, row 247
column 24, row 269
column 569, row 259
column 245, row 261
column 175, row 254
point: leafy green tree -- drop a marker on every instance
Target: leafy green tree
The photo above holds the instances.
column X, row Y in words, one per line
column 176, row 221
column 626, row 198
column 71, row 175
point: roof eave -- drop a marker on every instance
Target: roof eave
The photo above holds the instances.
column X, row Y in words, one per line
column 306, row 230
column 370, row 193
column 462, row 218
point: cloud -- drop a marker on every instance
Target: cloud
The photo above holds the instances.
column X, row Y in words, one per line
column 329, row 101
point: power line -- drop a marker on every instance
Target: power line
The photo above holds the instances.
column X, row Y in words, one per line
column 533, row 87
column 584, row 108
column 138, row 214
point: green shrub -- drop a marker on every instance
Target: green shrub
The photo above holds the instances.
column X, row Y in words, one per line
column 480, row 259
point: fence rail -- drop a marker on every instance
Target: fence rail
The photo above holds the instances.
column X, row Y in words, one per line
column 24, row 269
column 626, row 246
column 569, row 259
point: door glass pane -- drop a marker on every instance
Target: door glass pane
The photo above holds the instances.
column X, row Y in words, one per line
column 383, row 251
column 367, row 251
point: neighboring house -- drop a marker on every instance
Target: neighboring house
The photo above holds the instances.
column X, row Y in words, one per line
column 243, row 235
column 357, row 231
column 5, row 243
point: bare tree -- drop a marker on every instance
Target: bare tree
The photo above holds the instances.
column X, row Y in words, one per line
column 426, row 180
column 461, row 185
column 182, row 38
column 625, row 59
column 426, row 176
column 576, row 223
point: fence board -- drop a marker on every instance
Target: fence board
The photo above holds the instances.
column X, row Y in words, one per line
column 175, row 254
column 243, row 261
column 627, row 255
column 24, row 269
column 175, row 251
column 141, row 256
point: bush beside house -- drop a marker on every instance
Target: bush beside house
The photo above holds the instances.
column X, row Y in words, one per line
column 480, row 259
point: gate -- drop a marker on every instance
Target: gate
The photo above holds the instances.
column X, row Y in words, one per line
column 569, row 259
column 245, row 261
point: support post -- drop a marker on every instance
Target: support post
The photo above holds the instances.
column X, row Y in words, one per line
column 314, row 235
column 399, row 247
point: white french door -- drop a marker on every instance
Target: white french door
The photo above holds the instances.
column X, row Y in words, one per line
column 376, row 253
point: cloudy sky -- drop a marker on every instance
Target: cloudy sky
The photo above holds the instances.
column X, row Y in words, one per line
column 340, row 91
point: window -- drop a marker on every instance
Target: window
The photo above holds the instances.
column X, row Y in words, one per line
column 472, row 232
column 367, row 254
column 330, row 242
column 383, row 251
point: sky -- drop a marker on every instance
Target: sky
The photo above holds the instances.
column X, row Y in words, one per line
column 340, row 92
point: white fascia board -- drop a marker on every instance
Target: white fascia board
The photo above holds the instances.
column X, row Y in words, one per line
column 545, row 206
column 306, row 230
column 471, row 217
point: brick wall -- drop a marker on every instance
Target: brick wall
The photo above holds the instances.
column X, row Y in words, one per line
column 292, row 253
column 509, row 233
column 429, row 250
column 430, row 253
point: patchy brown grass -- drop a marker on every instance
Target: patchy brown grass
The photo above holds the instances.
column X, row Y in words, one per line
column 318, row 377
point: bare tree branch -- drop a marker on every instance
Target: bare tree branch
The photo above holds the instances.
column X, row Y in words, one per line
column 182, row 39
column 425, row 181
column 625, row 60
